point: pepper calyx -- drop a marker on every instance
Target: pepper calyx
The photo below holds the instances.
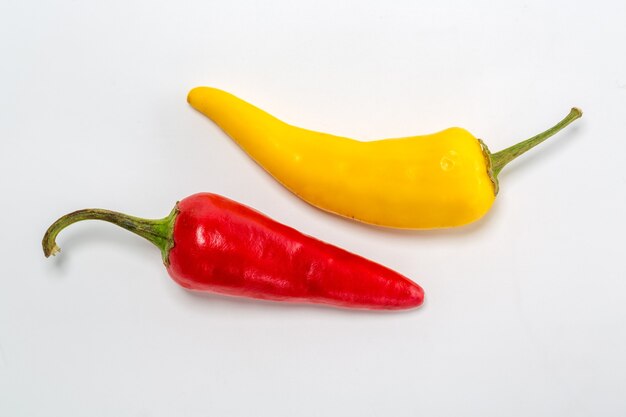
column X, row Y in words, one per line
column 492, row 176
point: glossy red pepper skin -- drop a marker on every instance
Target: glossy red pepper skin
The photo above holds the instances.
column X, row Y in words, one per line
column 214, row 244
column 225, row 247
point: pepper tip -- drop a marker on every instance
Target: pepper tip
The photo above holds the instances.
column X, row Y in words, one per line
column 191, row 95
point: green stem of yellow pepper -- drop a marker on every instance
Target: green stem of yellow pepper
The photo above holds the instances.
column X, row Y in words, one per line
column 503, row 157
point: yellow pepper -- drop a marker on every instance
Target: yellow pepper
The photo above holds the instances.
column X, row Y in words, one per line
column 439, row 180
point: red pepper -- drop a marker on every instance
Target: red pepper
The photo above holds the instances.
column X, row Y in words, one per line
column 210, row 243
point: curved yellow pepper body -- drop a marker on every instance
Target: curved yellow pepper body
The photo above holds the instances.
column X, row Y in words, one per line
column 419, row 182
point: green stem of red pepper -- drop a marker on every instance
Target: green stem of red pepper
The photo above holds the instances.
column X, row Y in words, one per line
column 157, row 231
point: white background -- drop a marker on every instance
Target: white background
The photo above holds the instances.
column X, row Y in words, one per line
column 525, row 311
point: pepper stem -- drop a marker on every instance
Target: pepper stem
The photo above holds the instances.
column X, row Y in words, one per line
column 157, row 231
column 503, row 157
